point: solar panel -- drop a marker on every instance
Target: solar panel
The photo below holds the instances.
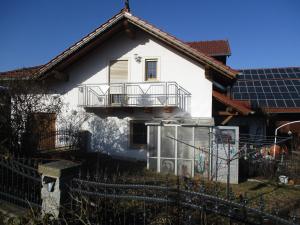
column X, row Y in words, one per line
column 283, row 89
column 274, row 87
column 280, row 82
column 253, row 72
column 280, row 103
column 294, row 95
column 271, row 103
column 259, row 89
column 288, row 82
column 256, row 83
column 267, row 89
column 269, row 96
column 251, row 89
column 293, row 75
column 262, row 76
column 253, row 95
column 278, row 96
column 237, row 96
column 289, row 103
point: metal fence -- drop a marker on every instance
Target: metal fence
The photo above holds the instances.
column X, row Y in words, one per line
column 49, row 141
column 20, row 182
column 101, row 200
column 58, row 140
column 288, row 166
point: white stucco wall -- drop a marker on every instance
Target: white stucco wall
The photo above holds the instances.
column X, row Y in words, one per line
column 172, row 66
column 93, row 69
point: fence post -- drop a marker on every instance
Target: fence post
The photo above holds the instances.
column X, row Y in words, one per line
column 56, row 177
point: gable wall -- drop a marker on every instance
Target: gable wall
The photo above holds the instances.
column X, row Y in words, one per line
column 111, row 134
column 93, row 69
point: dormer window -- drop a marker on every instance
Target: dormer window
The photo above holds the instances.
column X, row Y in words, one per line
column 150, row 69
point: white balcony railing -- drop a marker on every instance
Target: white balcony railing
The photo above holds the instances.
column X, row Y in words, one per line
column 144, row 94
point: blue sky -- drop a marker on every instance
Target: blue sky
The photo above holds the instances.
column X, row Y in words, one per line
column 262, row 33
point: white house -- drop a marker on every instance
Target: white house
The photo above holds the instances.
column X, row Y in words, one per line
column 127, row 74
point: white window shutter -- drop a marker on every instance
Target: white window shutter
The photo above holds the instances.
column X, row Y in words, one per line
column 118, row 71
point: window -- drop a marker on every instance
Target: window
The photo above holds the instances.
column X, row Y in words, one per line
column 118, row 71
column 151, row 69
column 138, row 134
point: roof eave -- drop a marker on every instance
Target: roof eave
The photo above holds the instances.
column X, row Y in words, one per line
column 207, row 60
column 239, row 108
column 179, row 45
column 80, row 44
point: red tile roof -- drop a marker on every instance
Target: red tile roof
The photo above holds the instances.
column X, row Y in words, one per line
column 163, row 36
column 212, row 48
column 20, row 73
column 240, row 106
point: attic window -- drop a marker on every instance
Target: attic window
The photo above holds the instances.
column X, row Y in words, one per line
column 151, row 69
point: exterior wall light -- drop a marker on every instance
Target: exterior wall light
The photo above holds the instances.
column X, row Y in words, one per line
column 137, row 58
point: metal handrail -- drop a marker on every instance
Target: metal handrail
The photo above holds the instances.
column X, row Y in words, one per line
column 134, row 94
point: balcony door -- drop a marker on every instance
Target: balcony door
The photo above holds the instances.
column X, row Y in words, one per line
column 118, row 75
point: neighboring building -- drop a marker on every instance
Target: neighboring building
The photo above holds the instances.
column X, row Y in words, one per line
column 273, row 94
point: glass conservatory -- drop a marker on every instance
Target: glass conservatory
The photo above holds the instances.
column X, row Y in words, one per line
column 188, row 148
column 180, row 148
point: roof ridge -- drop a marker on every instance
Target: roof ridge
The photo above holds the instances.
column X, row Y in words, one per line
column 214, row 40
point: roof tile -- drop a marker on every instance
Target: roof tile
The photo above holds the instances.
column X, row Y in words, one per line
column 212, row 48
column 20, row 73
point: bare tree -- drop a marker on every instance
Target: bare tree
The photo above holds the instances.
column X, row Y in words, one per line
column 73, row 119
column 26, row 99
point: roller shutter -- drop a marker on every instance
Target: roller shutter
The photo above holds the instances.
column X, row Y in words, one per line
column 118, row 71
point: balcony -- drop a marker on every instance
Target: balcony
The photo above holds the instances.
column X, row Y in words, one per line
column 144, row 94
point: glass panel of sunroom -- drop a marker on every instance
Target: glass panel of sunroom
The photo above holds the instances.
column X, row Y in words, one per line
column 202, row 144
column 168, row 141
column 185, row 142
column 167, row 166
column 184, row 167
column 153, row 164
column 152, row 145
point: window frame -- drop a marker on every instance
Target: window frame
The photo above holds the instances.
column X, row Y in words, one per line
column 152, row 59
